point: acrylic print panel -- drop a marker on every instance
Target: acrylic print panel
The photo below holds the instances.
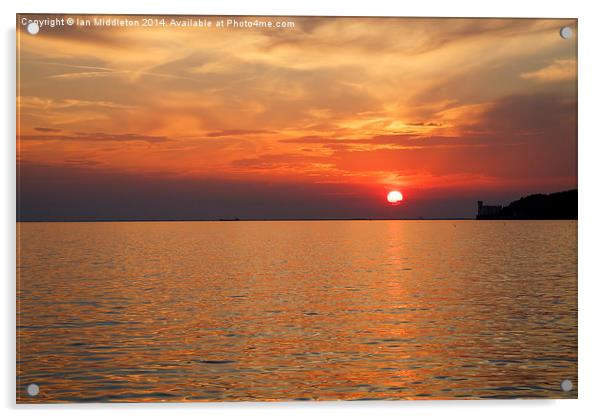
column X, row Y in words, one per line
column 295, row 208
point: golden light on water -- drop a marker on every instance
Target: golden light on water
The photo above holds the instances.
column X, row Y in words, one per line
column 405, row 310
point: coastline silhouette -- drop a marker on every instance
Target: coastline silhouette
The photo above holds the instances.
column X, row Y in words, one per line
column 560, row 205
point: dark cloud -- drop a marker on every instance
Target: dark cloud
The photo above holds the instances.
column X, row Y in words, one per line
column 82, row 162
column 528, row 136
column 49, row 192
column 520, row 136
column 74, row 192
column 96, row 137
column 429, row 124
column 272, row 161
column 47, row 130
column 538, row 114
column 237, row 132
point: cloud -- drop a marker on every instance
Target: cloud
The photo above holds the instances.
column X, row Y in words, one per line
column 354, row 100
column 237, row 132
column 95, row 137
column 88, row 74
column 559, row 70
column 279, row 161
column 518, row 135
column 59, row 192
column 82, row 162
column 46, row 103
column 544, row 115
column 430, row 124
column 395, row 140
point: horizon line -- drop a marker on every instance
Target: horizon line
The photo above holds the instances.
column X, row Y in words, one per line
column 271, row 220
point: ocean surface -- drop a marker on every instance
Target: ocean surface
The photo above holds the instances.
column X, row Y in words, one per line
column 317, row 310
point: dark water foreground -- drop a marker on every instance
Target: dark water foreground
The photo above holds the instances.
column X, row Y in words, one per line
column 200, row 311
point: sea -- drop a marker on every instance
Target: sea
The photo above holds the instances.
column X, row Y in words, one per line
column 296, row 310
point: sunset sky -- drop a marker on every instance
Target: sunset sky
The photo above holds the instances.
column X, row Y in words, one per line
column 317, row 121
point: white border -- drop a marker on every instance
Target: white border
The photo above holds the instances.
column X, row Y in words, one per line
column 590, row 202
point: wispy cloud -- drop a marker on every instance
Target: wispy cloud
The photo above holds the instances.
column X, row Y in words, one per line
column 95, row 137
column 47, row 103
column 47, row 129
column 559, row 70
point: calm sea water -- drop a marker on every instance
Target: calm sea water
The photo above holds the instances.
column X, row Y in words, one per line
column 205, row 311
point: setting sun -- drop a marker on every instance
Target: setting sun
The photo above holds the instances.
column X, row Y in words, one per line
column 395, row 197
